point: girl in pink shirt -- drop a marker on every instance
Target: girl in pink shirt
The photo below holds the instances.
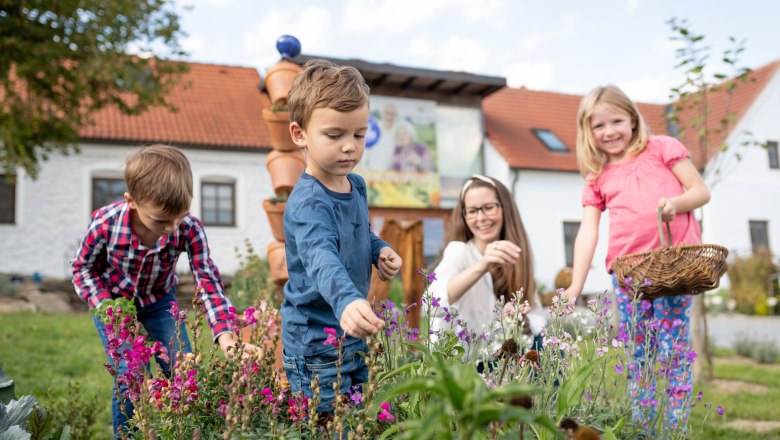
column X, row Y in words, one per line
column 632, row 174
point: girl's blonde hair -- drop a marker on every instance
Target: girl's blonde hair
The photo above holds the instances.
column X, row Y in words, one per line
column 589, row 158
column 507, row 280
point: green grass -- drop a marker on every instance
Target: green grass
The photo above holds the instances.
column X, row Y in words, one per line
column 43, row 353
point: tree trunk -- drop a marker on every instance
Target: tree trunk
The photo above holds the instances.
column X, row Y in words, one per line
column 702, row 366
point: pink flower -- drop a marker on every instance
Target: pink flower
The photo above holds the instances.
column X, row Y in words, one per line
column 249, row 316
column 384, row 414
column 268, row 394
column 333, row 337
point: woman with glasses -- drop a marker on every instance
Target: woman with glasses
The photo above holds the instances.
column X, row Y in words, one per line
column 487, row 258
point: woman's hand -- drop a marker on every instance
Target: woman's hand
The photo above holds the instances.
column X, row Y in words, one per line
column 501, row 252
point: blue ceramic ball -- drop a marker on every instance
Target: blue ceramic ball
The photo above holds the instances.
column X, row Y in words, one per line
column 288, row 46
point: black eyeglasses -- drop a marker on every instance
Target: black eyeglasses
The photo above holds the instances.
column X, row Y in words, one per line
column 489, row 209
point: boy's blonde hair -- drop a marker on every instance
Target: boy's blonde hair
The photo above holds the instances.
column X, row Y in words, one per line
column 590, row 159
column 323, row 84
column 161, row 175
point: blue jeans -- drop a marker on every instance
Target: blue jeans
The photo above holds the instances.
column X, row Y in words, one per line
column 300, row 371
column 161, row 326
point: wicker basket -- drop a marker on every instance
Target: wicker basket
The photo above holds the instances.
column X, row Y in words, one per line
column 672, row 270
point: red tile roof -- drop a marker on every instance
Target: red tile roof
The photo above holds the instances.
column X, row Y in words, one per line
column 218, row 107
column 721, row 105
column 512, row 114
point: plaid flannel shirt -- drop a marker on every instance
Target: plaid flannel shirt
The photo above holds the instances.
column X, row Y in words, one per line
column 111, row 262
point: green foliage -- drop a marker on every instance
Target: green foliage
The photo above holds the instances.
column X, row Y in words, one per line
column 749, row 277
column 78, row 410
column 695, row 95
column 60, row 62
column 252, row 281
column 7, row 288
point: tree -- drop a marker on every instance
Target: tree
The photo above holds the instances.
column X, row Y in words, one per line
column 63, row 60
column 692, row 110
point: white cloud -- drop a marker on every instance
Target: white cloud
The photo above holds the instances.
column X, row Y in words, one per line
column 653, row 89
column 488, row 13
column 389, row 15
column 632, row 5
column 312, row 26
column 463, row 54
column 421, row 45
column 538, row 76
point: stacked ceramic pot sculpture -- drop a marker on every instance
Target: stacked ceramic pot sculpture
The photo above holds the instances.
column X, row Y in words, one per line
column 285, row 163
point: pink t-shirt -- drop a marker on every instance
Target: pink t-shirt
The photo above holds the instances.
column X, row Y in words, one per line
column 631, row 189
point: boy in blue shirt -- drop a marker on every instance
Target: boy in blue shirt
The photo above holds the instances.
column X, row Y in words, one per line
column 330, row 247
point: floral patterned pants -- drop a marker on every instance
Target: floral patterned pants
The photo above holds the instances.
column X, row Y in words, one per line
column 659, row 331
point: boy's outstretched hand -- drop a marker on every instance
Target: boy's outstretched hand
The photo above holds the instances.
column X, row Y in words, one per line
column 228, row 342
column 359, row 321
column 388, row 265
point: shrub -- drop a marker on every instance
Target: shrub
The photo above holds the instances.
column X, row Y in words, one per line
column 743, row 344
column 749, row 281
column 252, row 281
column 765, row 351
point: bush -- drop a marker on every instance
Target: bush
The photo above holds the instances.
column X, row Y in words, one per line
column 765, row 351
column 749, row 282
column 252, row 282
column 743, row 344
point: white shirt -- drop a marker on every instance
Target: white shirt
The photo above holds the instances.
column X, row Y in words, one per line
column 476, row 308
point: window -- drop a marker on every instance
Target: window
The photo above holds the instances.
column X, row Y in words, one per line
column 7, row 199
column 550, row 140
column 219, row 204
column 570, row 230
column 106, row 191
column 759, row 235
column 771, row 147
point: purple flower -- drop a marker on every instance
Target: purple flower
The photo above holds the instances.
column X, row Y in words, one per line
column 435, row 301
column 355, row 395
column 699, row 397
column 619, row 369
column 721, row 411
column 691, row 355
column 647, row 282
column 431, row 277
column 333, row 337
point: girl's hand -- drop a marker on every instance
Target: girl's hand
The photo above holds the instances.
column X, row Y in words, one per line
column 389, row 264
column 501, row 252
column 668, row 209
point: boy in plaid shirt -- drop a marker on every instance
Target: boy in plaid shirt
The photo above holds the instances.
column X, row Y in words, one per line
column 131, row 249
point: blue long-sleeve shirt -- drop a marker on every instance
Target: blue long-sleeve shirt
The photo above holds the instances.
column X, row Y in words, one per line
column 330, row 250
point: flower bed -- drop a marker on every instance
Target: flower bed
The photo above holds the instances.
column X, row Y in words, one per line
column 583, row 382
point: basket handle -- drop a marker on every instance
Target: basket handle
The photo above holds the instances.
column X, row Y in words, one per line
column 664, row 243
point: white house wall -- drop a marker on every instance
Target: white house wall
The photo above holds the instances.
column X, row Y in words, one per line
column 749, row 189
column 53, row 211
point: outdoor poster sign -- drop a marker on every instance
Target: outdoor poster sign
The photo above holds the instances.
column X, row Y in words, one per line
column 400, row 164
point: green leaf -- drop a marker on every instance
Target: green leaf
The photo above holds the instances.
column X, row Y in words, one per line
column 571, row 390
column 6, row 388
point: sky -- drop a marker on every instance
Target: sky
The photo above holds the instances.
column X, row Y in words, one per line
column 567, row 46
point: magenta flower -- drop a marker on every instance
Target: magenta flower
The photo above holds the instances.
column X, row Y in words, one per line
column 619, row 369
column 249, row 317
column 268, row 395
column 435, row 302
column 355, row 395
column 384, row 413
column 333, row 337
column 721, row 411
column 431, row 277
